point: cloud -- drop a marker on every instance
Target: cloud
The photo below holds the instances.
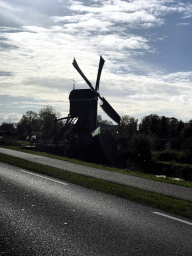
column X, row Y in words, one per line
column 26, row 13
column 187, row 11
column 4, row 73
column 9, row 7
column 184, row 78
column 135, row 14
column 10, row 118
column 10, row 15
column 120, row 43
column 7, row 46
column 183, row 24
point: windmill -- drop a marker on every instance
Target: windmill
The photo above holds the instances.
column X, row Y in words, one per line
column 95, row 95
column 83, row 105
column 82, row 119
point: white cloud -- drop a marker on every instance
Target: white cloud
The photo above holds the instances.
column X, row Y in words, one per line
column 187, row 11
column 183, row 24
column 9, row 118
column 120, row 43
column 184, row 78
column 6, row 6
column 137, row 13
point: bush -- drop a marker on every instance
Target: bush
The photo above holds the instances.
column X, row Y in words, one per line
column 176, row 142
column 176, row 171
column 187, row 148
column 167, row 156
column 140, row 147
column 9, row 141
column 170, row 155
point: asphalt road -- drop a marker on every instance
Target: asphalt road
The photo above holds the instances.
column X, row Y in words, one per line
column 44, row 216
column 167, row 189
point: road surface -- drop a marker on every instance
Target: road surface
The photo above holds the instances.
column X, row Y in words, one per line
column 180, row 192
column 43, row 216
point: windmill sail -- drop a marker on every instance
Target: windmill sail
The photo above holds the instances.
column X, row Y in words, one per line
column 81, row 73
column 101, row 63
column 110, row 111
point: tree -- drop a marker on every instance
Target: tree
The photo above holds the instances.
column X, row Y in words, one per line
column 28, row 124
column 186, row 143
column 47, row 117
column 164, row 126
column 128, row 125
column 150, row 124
column 127, row 128
column 7, row 127
column 161, row 126
column 140, row 147
column 102, row 122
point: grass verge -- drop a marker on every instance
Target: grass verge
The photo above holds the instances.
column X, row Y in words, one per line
column 108, row 168
column 169, row 204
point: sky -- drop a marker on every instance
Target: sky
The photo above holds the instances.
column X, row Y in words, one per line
column 146, row 44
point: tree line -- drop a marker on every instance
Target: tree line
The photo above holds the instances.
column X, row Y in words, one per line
column 154, row 132
column 157, row 133
column 41, row 124
column 153, row 125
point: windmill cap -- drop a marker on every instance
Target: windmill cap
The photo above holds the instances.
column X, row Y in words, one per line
column 81, row 94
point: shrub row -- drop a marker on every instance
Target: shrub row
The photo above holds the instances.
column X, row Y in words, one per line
column 179, row 156
column 169, row 170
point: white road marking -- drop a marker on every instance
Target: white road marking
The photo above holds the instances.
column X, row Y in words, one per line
column 44, row 177
column 170, row 217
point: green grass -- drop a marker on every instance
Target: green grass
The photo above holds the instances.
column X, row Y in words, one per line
column 125, row 171
column 169, row 204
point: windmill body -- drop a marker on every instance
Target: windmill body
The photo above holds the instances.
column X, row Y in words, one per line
column 83, row 104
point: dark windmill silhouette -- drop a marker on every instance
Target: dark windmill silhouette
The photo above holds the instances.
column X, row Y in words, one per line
column 86, row 100
column 83, row 110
